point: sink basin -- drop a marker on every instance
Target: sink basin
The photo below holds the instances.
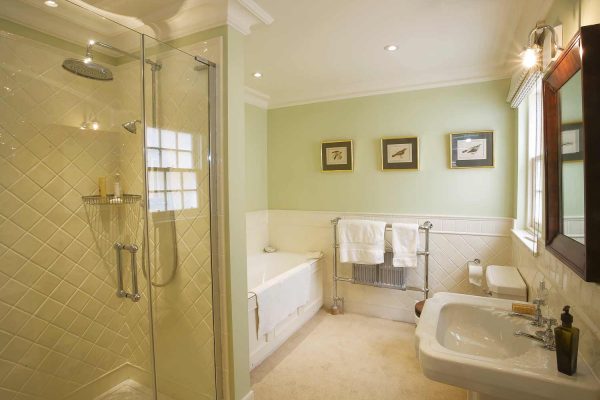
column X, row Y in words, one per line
column 480, row 331
column 469, row 341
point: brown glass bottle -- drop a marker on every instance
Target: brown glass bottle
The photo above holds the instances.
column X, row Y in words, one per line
column 567, row 343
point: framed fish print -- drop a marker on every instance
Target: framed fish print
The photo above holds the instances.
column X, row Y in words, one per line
column 571, row 141
column 472, row 149
column 337, row 156
column 399, row 153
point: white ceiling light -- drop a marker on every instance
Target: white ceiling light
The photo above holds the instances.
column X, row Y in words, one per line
column 391, row 47
column 51, row 3
column 257, row 75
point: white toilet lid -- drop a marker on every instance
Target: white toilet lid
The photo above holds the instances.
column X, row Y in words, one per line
column 505, row 280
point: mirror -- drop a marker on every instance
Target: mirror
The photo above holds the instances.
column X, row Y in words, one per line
column 571, row 111
column 571, row 159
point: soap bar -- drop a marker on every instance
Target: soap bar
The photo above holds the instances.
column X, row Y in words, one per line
column 524, row 308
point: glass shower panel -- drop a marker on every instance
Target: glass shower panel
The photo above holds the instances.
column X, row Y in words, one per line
column 65, row 333
column 177, row 149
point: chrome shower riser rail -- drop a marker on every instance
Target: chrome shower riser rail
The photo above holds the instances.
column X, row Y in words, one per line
column 338, row 302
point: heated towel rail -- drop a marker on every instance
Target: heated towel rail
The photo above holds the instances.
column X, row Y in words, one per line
column 377, row 277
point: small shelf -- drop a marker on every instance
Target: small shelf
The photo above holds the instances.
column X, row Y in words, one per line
column 111, row 200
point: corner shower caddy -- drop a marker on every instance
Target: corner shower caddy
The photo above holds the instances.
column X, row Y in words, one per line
column 376, row 275
column 110, row 199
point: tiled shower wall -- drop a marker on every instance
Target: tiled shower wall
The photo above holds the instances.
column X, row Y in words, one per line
column 453, row 241
column 61, row 325
column 565, row 288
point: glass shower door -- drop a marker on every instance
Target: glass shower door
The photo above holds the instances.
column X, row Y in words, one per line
column 65, row 331
column 179, row 221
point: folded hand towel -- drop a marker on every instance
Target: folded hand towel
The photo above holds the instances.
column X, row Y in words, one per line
column 405, row 243
column 361, row 242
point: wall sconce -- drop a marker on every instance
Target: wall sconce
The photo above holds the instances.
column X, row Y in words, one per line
column 532, row 55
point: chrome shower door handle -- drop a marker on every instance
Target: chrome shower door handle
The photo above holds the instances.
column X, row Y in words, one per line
column 120, row 292
column 133, row 249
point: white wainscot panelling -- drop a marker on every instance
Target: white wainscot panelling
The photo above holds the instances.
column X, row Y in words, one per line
column 453, row 241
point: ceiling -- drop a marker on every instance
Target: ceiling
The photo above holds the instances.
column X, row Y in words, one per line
column 315, row 50
column 318, row 50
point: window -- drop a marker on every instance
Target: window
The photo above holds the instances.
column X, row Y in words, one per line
column 534, row 160
column 172, row 176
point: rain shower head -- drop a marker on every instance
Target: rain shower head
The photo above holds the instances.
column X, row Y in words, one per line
column 130, row 126
column 88, row 69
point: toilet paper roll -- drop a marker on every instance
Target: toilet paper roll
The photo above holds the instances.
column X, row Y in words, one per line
column 475, row 273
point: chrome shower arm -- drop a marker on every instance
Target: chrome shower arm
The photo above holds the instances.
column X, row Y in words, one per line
column 93, row 43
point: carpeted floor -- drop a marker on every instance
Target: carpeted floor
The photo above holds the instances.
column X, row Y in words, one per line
column 348, row 357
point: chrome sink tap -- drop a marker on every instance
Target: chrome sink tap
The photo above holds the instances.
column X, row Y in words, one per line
column 537, row 319
column 545, row 337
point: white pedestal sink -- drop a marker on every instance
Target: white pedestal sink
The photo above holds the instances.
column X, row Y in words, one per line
column 469, row 341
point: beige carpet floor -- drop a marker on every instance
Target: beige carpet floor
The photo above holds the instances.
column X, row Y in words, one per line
column 348, row 357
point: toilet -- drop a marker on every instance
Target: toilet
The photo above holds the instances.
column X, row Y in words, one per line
column 504, row 282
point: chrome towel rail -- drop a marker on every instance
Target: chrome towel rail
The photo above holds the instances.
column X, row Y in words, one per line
column 339, row 301
column 132, row 249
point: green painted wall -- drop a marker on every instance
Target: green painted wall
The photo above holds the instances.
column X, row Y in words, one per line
column 235, row 204
column 256, row 159
column 295, row 181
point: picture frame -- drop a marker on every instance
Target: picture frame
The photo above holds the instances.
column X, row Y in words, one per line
column 571, row 141
column 473, row 149
column 337, row 156
column 400, row 153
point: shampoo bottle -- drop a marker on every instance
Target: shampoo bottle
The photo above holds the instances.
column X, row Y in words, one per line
column 567, row 343
column 117, row 189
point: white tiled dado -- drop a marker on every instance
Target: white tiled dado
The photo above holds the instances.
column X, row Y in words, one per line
column 453, row 241
column 565, row 288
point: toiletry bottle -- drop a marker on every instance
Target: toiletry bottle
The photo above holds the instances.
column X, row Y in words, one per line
column 102, row 186
column 117, row 190
column 567, row 343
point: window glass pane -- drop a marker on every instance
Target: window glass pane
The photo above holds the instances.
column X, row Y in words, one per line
column 173, row 180
column 174, row 201
column 185, row 160
column 157, row 201
column 190, row 199
column 169, row 159
column 168, row 140
column 156, row 180
column 189, row 180
column 152, row 137
column 185, row 141
column 153, row 158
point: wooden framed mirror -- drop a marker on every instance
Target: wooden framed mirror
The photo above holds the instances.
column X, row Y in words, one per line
column 571, row 91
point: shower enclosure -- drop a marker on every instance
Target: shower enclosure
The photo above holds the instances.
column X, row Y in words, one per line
column 108, row 274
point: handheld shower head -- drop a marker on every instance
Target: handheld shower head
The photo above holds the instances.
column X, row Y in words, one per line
column 130, row 126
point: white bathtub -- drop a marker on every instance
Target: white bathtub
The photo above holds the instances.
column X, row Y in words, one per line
column 263, row 267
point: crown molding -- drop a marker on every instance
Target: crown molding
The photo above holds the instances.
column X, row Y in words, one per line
column 244, row 14
column 256, row 98
column 391, row 90
column 257, row 11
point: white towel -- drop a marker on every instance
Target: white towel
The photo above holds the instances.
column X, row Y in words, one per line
column 405, row 243
column 281, row 296
column 361, row 242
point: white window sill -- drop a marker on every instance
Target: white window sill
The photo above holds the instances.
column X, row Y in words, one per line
column 525, row 237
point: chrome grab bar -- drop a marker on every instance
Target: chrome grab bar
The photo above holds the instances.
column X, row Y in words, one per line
column 132, row 249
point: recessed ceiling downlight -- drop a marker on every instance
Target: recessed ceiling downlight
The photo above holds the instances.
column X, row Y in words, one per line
column 257, row 75
column 391, row 47
column 51, row 3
